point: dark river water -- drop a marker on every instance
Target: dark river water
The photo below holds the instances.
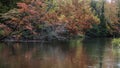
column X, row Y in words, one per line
column 91, row 53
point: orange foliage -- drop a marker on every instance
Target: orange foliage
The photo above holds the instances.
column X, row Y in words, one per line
column 23, row 7
column 77, row 16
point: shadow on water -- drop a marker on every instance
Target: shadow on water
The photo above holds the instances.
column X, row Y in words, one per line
column 90, row 53
column 96, row 49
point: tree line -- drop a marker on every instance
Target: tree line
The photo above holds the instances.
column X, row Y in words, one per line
column 59, row 19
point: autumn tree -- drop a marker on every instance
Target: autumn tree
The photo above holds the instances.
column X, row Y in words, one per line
column 46, row 19
column 108, row 15
column 111, row 16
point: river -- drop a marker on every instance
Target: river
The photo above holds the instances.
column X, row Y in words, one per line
column 90, row 53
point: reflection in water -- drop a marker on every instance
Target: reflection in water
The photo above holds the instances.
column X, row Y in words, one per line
column 92, row 53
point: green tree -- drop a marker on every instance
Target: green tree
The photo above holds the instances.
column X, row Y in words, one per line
column 6, row 5
column 108, row 15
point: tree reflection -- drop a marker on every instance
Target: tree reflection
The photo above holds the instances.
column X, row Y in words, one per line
column 25, row 55
column 92, row 53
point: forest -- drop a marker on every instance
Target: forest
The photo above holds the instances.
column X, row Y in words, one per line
column 59, row 19
column 59, row 33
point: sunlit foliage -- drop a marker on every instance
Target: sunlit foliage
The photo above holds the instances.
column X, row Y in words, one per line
column 116, row 42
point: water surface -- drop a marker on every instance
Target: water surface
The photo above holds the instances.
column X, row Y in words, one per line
column 91, row 53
